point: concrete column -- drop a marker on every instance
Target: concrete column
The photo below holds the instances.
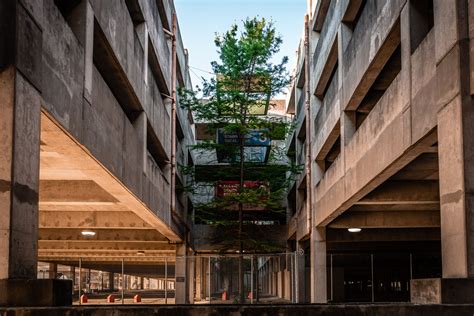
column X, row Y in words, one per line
column 73, row 276
column 88, row 280
column 19, row 175
column 300, row 274
column 318, row 266
column 181, row 274
column 190, row 281
column 20, row 108
column 456, row 174
column 53, row 270
column 199, row 280
column 456, row 144
column 111, row 281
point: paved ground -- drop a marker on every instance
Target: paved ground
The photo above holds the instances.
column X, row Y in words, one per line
column 403, row 309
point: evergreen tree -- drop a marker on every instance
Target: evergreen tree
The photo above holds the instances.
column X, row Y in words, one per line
column 235, row 107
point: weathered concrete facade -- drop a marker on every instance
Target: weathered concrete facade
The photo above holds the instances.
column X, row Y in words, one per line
column 391, row 114
column 85, row 103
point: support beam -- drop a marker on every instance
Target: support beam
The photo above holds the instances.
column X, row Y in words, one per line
column 102, row 234
column 91, row 219
column 403, row 192
column 402, row 219
column 383, row 235
column 99, row 245
column 73, row 191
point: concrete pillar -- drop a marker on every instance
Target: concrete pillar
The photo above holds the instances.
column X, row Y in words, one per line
column 456, row 174
column 19, row 175
column 111, row 281
column 181, row 275
column 88, row 280
column 72, row 271
column 20, row 106
column 52, row 271
column 456, row 145
column 190, row 281
column 318, row 266
column 199, row 280
column 300, row 274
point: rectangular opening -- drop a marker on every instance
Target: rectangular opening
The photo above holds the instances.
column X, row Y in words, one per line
column 155, row 149
column 421, row 21
column 353, row 12
column 155, row 68
column 329, row 71
column 333, row 153
column 331, row 148
column 66, row 7
column 114, row 76
column 385, row 78
column 135, row 11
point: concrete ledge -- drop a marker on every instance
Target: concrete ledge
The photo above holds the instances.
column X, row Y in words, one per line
column 43, row 292
column 442, row 291
column 405, row 309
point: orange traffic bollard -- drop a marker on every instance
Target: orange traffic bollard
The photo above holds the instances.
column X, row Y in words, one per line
column 137, row 299
column 224, row 296
column 111, row 298
column 83, row 298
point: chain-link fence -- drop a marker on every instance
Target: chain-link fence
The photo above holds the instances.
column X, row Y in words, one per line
column 203, row 279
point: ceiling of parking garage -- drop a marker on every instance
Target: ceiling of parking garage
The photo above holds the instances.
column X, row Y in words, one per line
column 77, row 194
column 409, row 199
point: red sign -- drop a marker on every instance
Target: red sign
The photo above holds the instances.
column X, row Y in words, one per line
column 226, row 188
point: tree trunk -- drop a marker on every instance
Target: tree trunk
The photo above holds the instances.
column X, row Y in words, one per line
column 241, row 219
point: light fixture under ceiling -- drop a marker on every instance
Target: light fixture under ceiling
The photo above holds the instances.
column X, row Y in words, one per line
column 88, row 233
column 354, row 230
column 140, row 252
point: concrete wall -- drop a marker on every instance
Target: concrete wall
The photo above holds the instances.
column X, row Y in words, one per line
column 404, row 121
column 98, row 122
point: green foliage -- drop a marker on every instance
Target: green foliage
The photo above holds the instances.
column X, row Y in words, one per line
column 235, row 101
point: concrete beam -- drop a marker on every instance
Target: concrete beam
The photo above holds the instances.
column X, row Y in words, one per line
column 395, row 207
column 380, row 235
column 108, row 234
column 100, row 255
column 400, row 192
column 73, row 191
column 100, row 245
column 425, row 167
column 91, row 219
column 404, row 219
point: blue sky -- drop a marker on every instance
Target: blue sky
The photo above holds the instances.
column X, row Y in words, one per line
column 199, row 20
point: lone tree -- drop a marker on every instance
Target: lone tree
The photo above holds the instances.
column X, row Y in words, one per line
column 253, row 174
